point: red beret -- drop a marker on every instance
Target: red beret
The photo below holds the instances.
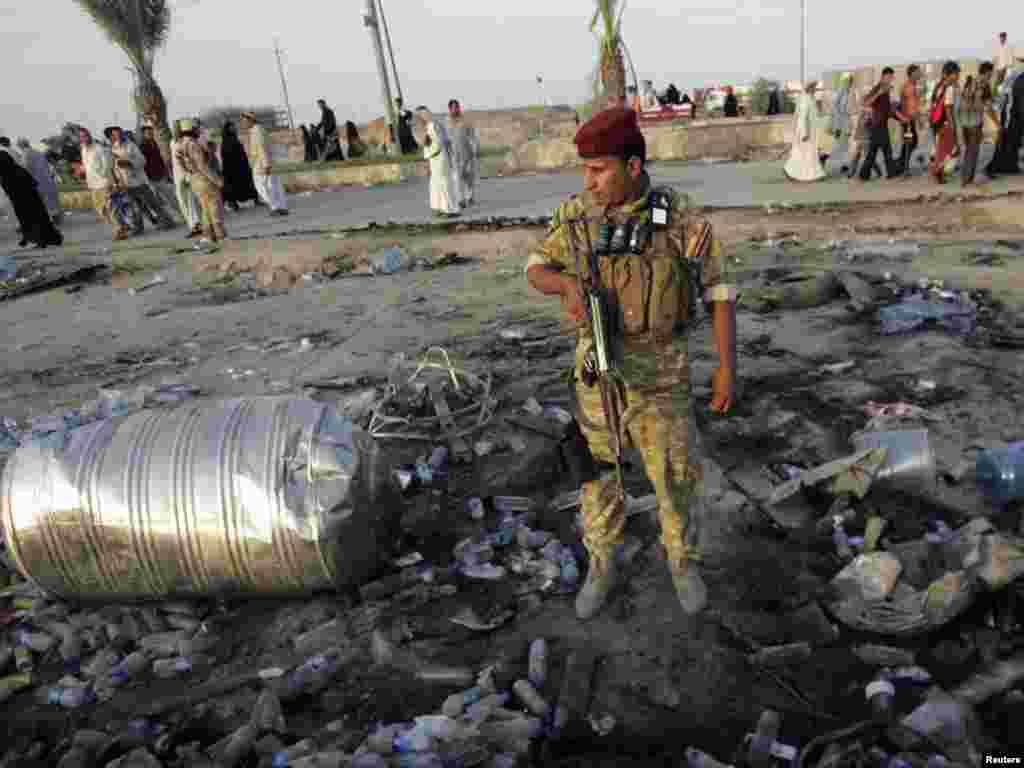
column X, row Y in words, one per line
column 611, row 133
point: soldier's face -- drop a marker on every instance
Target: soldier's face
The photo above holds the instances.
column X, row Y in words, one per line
column 610, row 179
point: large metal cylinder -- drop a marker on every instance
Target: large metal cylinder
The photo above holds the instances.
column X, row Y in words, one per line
column 263, row 495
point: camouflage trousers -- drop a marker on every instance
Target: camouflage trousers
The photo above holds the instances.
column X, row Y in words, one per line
column 657, row 422
column 211, row 207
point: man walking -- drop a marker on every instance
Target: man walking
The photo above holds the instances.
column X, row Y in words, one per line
column 444, row 195
column 207, row 185
column 1002, row 58
column 878, row 104
column 404, row 130
column 1010, row 105
column 465, row 153
column 975, row 107
column 98, row 167
column 328, row 128
column 156, row 170
column 267, row 184
column 129, row 171
column 187, row 202
column 910, row 108
column 653, row 255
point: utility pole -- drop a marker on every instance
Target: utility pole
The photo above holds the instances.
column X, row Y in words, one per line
column 370, row 21
column 803, row 43
column 391, row 52
column 284, row 85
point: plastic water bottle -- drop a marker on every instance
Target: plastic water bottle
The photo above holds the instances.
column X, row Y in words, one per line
column 475, row 507
column 538, row 663
column 387, row 262
column 531, row 699
column 481, row 710
column 180, row 665
column 695, row 758
column 39, row 642
column 1000, row 473
column 69, row 697
column 420, row 760
column 132, row 666
column 456, row 704
column 483, row 571
column 369, row 760
column 439, row 461
column 287, row 757
column 336, row 760
column 513, row 730
column 881, row 694
column 382, row 739
column 841, row 540
column 416, row 739
column 504, row 760
column 502, row 537
column 570, row 569
column 528, row 538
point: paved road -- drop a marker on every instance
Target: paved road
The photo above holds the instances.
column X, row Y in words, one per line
column 725, row 184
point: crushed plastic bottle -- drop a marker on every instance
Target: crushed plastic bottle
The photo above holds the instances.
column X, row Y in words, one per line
column 913, row 313
column 695, row 758
column 528, row 538
column 475, row 507
column 457, row 703
column 538, row 663
column 485, row 707
column 841, row 540
column 1000, row 473
column 483, row 571
column 36, row 641
column 130, row 667
column 69, row 697
column 388, row 262
column 180, row 665
column 531, row 699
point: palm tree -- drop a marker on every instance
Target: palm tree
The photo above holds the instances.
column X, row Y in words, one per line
column 140, row 29
column 611, row 67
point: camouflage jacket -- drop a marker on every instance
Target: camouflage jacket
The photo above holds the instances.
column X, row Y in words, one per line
column 195, row 161
column 655, row 294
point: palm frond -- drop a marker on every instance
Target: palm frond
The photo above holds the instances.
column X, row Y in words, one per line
column 120, row 21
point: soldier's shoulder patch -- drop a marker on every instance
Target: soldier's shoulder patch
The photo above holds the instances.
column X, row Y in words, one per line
column 567, row 209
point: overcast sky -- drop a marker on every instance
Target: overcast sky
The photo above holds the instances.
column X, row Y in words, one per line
column 58, row 67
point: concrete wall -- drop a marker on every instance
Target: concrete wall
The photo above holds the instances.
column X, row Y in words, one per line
column 496, row 128
column 724, row 138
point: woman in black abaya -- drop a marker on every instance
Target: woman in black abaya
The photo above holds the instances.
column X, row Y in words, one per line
column 36, row 225
column 238, row 184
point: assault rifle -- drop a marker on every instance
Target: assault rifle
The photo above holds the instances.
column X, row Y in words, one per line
column 599, row 362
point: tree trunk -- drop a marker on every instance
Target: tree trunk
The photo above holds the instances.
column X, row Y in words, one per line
column 613, row 77
column 149, row 101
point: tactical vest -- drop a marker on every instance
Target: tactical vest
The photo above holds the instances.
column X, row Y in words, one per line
column 653, row 295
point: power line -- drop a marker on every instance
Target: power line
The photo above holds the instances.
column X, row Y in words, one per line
column 284, row 85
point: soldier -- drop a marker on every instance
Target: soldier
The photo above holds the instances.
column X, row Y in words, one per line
column 206, row 184
column 654, row 272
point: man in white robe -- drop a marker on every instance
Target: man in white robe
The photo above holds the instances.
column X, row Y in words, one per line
column 804, row 163
column 267, row 184
column 465, row 153
column 444, row 197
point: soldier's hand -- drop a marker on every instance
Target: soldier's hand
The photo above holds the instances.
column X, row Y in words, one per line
column 723, row 390
column 572, row 301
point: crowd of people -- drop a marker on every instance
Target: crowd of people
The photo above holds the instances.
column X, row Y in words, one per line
column 130, row 180
column 952, row 118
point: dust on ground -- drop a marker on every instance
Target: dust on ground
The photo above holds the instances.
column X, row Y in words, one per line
column 215, row 323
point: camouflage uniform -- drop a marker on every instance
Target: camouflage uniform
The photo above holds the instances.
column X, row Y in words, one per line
column 206, row 185
column 656, row 302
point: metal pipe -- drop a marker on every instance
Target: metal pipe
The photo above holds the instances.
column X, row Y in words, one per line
column 284, row 85
column 803, row 42
column 370, row 21
column 391, row 52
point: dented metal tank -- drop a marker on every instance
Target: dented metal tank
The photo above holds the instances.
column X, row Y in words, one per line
column 261, row 495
